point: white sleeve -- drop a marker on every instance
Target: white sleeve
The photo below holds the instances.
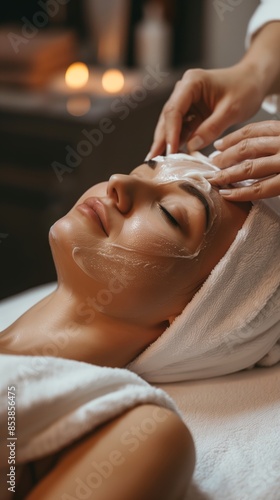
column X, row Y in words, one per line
column 268, row 10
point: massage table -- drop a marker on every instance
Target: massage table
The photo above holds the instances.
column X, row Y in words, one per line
column 234, row 420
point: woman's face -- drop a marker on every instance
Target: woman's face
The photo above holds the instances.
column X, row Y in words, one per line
column 159, row 234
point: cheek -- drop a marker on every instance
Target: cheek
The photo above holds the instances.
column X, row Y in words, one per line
column 152, row 289
column 102, row 259
column 148, row 235
column 131, row 256
column 141, row 236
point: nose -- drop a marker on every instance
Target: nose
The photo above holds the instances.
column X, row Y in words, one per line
column 123, row 190
column 120, row 190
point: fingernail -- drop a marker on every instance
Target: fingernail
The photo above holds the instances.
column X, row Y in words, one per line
column 214, row 154
column 225, row 192
column 209, row 175
column 148, row 157
column 168, row 149
column 218, row 143
column 195, row 144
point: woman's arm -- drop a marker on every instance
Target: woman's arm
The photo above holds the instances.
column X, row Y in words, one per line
column 146, row 453
column 263, row 57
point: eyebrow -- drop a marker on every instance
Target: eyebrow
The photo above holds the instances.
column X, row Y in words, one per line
column 195, row 192
column 151, row 163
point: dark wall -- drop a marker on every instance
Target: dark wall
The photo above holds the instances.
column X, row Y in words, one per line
column 184, row 16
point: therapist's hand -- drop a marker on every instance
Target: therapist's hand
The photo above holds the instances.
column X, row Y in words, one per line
column 254, row 152
column 203, row 104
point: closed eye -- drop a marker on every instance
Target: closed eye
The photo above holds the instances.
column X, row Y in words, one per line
column 168, row 216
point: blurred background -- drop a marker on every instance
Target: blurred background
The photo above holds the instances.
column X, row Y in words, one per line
column 82, row 83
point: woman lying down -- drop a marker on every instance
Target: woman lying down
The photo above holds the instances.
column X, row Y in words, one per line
column 156, row 273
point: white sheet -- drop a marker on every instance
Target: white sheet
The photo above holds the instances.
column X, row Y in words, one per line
column 234, row 419
column 235, row 422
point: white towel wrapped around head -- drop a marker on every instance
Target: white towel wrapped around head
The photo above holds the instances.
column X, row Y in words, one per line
column 233, row 321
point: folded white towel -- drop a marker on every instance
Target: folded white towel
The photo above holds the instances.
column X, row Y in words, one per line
column 234, row 319
column 59, row 400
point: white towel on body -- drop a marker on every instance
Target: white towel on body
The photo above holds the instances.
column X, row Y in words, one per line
column 59, row 400
column 233, row 321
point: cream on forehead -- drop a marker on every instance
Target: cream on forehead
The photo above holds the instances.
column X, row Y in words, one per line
column 195, row 157
column 176, row 167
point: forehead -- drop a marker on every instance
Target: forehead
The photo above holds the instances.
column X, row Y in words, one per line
column 182, row 164
column 183, row 171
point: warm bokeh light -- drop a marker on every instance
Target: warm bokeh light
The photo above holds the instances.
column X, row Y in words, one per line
column 77, row 75
column 113, row 81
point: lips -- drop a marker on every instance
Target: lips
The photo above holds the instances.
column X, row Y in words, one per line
column 95, row 209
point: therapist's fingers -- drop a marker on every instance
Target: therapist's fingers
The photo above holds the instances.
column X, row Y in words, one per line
column 199, row 95
column 180, row 120
column 258, row 129
column 159, row 145
column 171, row 119
column 247, row 149
column 168, row 129
column 212, row 126
column 267, row 188
column 193, row 99
column 237, row 146
column 249, row 169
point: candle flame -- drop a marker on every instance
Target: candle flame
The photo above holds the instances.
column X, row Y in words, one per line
column 76, row 76
column 113, row 81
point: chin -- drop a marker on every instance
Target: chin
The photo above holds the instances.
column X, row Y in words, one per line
column 62, row 229
column 61, row 239
column 62, row 236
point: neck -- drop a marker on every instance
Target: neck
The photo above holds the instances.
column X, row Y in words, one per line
column 70, row 326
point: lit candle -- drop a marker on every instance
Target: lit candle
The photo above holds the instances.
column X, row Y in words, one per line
column 113, row 81
column 77, row 75
column 81, row 80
